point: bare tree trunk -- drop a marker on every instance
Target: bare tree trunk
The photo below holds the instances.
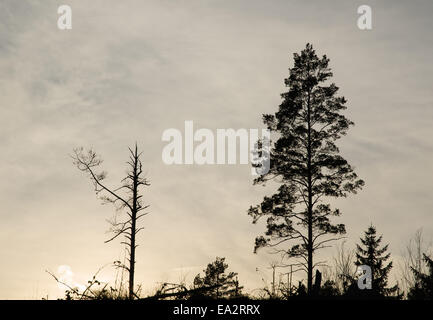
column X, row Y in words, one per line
column 317, row 282
column 133, row 225
column 131, row 201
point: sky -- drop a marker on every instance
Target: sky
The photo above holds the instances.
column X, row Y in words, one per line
column 129, row 70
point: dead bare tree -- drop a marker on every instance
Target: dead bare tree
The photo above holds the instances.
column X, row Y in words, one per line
column 125, row 198
column 179, row 291
column 345, row 270
column 413, row 259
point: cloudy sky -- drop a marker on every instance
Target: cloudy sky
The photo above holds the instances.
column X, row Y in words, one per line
column 129, row 70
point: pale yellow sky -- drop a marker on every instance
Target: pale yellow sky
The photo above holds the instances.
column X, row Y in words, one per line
column 129, row 70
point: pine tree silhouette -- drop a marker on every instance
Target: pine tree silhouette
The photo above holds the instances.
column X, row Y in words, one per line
column 305, row 161
column 371, row 254
column 423, row 288
column 226, row 284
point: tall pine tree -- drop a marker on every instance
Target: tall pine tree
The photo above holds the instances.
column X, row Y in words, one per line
column 306, row 162
column 371, row 254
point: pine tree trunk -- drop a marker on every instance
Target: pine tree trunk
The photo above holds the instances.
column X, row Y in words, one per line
column 310, row 205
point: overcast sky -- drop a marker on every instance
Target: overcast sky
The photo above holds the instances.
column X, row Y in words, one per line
column 128, row 70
